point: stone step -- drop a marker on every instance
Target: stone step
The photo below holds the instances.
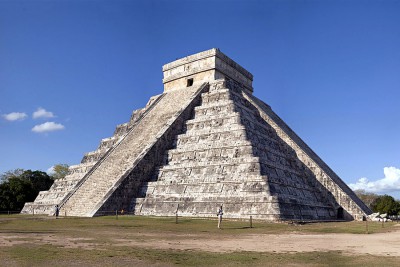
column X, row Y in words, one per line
column 214, row 107
column 217, row 144
column 213, row 127
column 207, row 208
column 33, row 208
column 85, row 201
column 121, row 129
column 107, row 143
column 215, row 93
column 219, row 135
column 181, row 179
column 199, row 161
column 93, row 156
column 81, row 168
column 207, row 179
column 212, row 121
column 212, row 150
column 251, row 163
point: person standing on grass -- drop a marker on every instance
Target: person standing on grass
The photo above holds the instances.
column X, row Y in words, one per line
column 57, row 211
column 219, row 214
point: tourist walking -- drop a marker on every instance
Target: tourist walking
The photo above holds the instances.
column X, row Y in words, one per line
column 57, row 211
column 219, row 214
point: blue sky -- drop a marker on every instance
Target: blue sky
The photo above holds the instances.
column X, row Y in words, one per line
column 70, row 71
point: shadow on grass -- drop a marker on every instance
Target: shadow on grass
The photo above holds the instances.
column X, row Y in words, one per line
column 239, row 228
column 5, row 231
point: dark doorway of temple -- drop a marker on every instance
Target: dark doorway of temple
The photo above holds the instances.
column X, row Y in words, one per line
column 340, row 213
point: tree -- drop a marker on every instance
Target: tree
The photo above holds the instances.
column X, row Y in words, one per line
column 386, row 204
column 40, row 180
column 14, row 193
column 366, row 197
column 11, row 174
column 18, row 188
column 60, row 171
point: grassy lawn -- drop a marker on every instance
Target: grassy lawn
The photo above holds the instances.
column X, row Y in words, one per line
column 97, row 241
column 44, row 255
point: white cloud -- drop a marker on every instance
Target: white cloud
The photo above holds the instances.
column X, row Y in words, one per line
column 14, row 116
column 390, row 183
column 47, row 127
column 42, row 113
column 50, row 170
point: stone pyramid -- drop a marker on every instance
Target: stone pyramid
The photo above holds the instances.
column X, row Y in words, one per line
column 205, row 141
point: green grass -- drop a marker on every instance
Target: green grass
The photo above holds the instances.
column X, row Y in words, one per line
column 167, row 224
column 47, row 255
column 96, row 242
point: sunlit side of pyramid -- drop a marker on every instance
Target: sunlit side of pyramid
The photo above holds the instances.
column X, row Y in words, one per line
column 205, row 141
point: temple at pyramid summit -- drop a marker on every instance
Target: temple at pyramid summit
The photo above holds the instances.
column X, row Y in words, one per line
column 205, row 141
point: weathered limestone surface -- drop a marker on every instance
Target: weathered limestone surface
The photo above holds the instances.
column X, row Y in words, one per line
column 205, row 142
column 204, row 67
column 230, row 155
column 100, row 182
column 328, row 180
column 46, row 200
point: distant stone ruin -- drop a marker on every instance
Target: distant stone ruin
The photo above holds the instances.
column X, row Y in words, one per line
column 205, row 141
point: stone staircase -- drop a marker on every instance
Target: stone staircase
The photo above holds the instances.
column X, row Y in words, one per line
column 98, row 185
column 46, row 200
column 227, row 155
column 61, row 188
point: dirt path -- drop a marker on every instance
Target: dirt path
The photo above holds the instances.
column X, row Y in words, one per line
column 378, row 244
column 381, row 244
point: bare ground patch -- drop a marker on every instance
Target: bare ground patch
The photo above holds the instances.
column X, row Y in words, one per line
column 379, row 244
column 145, row 241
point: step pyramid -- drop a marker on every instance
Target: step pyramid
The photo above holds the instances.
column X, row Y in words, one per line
column 205, row 141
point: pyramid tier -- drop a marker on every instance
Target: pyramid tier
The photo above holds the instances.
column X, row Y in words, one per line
column 217, row 159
